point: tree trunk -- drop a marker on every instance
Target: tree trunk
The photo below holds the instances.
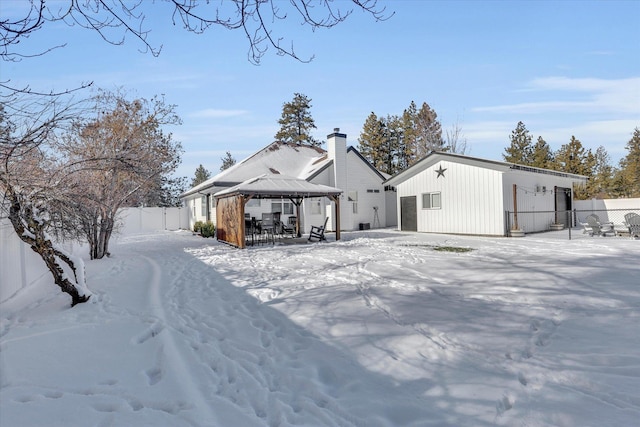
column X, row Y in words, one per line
column 32, row 231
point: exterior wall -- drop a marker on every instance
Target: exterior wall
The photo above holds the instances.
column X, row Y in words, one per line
column 390, row 202
column 471, row 199
column 368, row 187
column 534, row 193
column 194, row 203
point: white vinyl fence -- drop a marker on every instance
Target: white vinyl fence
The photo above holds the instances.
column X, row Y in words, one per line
column 21, row 267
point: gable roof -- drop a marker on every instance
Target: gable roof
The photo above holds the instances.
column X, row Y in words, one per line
column 436, row 156
column 269, row 186
column 277, row 158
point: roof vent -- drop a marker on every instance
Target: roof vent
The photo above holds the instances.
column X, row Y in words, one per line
column 336, row 130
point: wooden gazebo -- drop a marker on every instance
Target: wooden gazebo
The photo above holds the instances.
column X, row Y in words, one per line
column 230, row 202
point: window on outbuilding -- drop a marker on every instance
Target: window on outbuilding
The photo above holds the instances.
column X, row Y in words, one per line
column 431, row 201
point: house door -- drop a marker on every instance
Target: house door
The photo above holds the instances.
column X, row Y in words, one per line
column 563, row 204
column 408, row 213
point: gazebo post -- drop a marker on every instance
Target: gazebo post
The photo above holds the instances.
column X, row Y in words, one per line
column 336, row 200
column 297, row 202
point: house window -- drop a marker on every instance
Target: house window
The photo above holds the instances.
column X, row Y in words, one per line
column 353, row 196
column 431, row 201
column 253, row 203
column 316, row 206
column 285, row 208
column 355, row 207
column 203, row 206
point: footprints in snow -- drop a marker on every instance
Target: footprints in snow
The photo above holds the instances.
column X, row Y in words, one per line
column 150, row 332
column 541, row 331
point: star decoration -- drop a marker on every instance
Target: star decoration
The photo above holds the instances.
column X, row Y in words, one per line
column 440, row 172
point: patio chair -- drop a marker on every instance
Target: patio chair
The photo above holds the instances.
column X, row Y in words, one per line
column 268, row 226
column 318, row 232
column 632, row 221
column 288, row 228
column 598, row 228
column 586, row 228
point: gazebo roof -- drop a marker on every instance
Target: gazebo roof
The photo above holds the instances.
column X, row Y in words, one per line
column 269, row 186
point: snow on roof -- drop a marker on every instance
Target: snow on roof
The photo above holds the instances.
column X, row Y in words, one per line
column 269, row 185
column 278, row 158
column 436, row 156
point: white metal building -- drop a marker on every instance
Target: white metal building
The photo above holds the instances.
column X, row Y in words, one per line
column 452, row 193
column 364, row 201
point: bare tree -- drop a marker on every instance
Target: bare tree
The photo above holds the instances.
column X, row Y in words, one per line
column 114, row 20
column 30, row 188
column 455, row 141
column 113, row 158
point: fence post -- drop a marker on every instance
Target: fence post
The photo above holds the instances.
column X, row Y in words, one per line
column 569, row 223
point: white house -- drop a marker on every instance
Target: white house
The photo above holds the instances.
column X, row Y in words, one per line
column 364, row 201
column 452, row 193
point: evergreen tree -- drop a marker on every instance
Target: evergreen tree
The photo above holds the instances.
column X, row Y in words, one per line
column 201, row 176
column 296, row 122
column 372, row 139
column 409, row 149
column 422, row 134
column 520, row 150
column 541, row 155
column 628, row 176
column 603, row 177
column 428, row 132
column 393, row 148
column 227, row 161
column 575, row 159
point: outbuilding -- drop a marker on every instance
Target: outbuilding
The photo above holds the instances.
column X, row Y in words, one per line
column 457, row 194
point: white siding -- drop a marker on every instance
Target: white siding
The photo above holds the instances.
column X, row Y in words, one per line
column 361, row 179
column 471, row 199
column 534, row 193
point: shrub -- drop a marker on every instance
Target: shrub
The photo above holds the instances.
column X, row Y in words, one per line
column 197, row 227
column 208, row 229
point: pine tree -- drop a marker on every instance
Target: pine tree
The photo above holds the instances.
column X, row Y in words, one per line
column 520, row 150
column 628, row 176
column 296, row 122
column 428, row 132
column 408, row 153
column 372, row 140
column 603, row 177
column 201, row 176
column 575, row 159
column 541, row 155
column 393, row 149
column 227, row 161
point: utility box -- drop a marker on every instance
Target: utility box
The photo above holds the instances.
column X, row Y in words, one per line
column 365, row 226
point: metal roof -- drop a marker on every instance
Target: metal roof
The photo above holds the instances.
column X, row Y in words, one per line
column 269, row 186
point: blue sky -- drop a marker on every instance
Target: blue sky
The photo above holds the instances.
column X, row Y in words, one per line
column 563, row 68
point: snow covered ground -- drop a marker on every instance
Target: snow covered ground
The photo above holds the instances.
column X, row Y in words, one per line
column 379, row 329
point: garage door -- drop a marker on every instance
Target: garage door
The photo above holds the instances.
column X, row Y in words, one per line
column 408, row 213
